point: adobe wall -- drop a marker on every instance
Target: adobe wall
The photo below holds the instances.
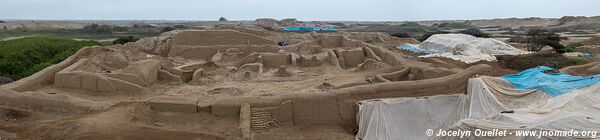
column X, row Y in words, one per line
column 218, row 37
column 268, row 60
column 145, row 71
column 253, row 31
column 387, row 56
column 51, row 103
column 339, row 106
column 46, row 76
column 274, row 60
column 331, row 41
column 265, row 118
column 173, row 104
column 93, row 81
column 207, row 52
column 337, row 41
column 353, row 57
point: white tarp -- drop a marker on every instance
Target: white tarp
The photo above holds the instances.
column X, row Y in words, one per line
column 480, row 108
column 466, row 48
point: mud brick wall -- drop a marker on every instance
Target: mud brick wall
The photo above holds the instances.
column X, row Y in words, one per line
column 388, row 56
column 207, row 52
column 354, row 57
column 331, row 41
column 316, row 111
column 339, row 106
column 282, row 112
column 274, row 60
column 226, row 110
column 219, row 37
column 173, row 107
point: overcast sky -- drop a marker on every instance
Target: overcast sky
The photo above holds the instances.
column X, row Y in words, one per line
column 330, row 10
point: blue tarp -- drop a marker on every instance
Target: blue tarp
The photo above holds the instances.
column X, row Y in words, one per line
column 553, row 84
column 411, row 48
column 586, row 55
column 302, row 28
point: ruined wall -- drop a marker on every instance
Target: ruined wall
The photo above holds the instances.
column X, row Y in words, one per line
column 331, row 41
column 46, row 76
column 219, row 37
column 258, row 32
column 173, row 104
column 265, row 118
column 94, row 82
column 387, row 56
column 143, row 73
column 206, row 52
column 339, row 106
column 353, row 57
column 274, row 60
column 51, row 103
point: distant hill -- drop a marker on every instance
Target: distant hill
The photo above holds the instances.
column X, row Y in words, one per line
column 566, row 22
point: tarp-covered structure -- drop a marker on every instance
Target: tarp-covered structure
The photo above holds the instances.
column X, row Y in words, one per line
column 303, row 28
column 490, row 103
column 553, row 84
column 466, row 48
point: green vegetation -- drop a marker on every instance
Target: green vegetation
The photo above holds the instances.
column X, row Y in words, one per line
column 2, row 21
column 454, row 25
column 538, row 38
column 554, row 60
column 401, row 35
column 167, row 29
column 20, row 58
column 102, row 29
column 124, row 39
column 572, row 47
column 475, row 32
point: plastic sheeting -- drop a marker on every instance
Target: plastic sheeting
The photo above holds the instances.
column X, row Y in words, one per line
column 480, row 109
column 302, row 28
column 554, row 84
column 466, row 48
column 586, row 55
column 412, row 48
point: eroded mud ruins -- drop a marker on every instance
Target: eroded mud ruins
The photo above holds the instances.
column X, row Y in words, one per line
column 225, row 82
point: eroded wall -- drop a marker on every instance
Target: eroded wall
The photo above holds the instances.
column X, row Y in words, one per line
column 219, row 37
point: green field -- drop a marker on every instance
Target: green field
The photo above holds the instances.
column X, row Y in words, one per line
column 22, row 57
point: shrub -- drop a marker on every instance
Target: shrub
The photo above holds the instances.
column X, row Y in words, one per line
column 179, row 26
column 401, row 35
column 454, row 25
column 572, row 47
column 522, row 62
column 142, row 25
column 167, row 29
column 475, row 32
column 124, row 39
column 538, row 38
column 518, row 39
column 22, row 57
column 102, row 29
